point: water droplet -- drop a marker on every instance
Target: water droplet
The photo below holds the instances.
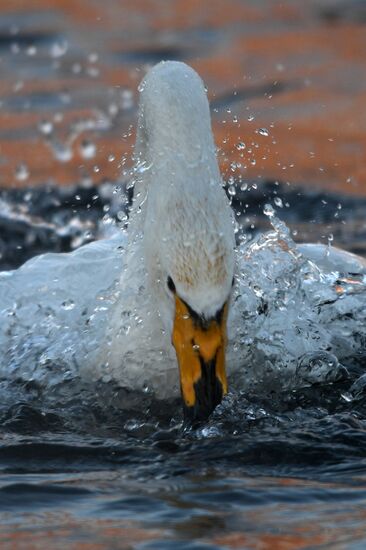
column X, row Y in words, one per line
column 268, row 210
column 93, row 72
column 87, row 149
column 111, row 158
column 31, row 50
column 263, row 132
column 76, row 68
column 240, row 146
column 278, row 202
column 113, row 109
column 22, row 172
column 231, row 190
column 14, row 48
column 141, row 86
column 18, row 85
column 251, row 118
column 243, row 187
column 45, row 127
column 122, row 216
column 93, row 57
column 62, row 152
column 127, row 99
column 142, row 167
column 58, row 49
column 68, row 305
column 258, row 291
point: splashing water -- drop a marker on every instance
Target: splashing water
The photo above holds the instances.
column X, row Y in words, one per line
column 291, row 323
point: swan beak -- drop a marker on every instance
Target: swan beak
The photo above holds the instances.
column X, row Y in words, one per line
column 200, row 348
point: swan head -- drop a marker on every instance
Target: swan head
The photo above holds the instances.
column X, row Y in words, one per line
column 188, row 230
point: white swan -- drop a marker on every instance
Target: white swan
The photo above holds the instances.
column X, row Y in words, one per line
column 113, row 309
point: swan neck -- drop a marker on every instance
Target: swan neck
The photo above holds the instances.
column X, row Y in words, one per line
column 174, row 150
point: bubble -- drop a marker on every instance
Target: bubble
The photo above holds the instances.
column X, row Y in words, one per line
column 319, row 366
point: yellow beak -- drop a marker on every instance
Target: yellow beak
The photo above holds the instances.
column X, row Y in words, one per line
column 200, row 348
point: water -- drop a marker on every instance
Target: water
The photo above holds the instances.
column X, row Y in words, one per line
column 259, row 473
column 282, row 462
column 88, row 464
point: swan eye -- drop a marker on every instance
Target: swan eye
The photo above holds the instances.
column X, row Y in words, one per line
column 170, row 284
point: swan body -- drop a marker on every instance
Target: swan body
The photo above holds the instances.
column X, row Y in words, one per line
column 112, row 308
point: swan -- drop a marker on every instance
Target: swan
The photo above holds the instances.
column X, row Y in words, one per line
column 173, row 289
column 181, row 231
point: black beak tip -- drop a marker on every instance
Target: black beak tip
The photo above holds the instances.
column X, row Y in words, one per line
column 209, row 393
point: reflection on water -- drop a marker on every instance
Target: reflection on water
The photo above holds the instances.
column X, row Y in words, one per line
column 282, row 469
column 286, row 81
column 255, row 476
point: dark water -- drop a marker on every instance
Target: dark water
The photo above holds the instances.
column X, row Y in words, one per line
column 284, row 470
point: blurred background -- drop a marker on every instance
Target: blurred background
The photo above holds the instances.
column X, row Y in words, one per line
column 287, row 85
